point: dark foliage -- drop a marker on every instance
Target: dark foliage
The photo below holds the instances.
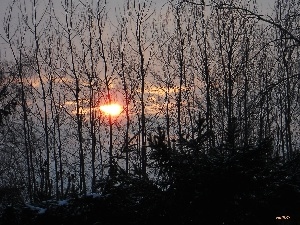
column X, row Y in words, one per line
column 195, row 185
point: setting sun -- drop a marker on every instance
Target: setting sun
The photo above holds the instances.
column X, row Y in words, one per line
column 112, row 109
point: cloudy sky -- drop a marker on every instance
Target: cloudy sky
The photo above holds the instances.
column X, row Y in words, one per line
column 264, row 5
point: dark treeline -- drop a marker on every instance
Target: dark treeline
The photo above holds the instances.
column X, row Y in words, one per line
column 210, row 122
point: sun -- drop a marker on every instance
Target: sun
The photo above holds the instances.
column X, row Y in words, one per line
column 111, row 109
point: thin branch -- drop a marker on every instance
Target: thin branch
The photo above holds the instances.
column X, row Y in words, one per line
column 262, row 18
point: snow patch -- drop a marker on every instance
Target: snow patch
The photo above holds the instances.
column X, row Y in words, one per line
column 35, row 208
column 63, row 202
column 95, row 195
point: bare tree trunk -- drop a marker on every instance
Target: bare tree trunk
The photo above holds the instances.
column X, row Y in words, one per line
column 31, row 180
column 18, row 58
column 101, row 51
column 60, row 153
column 127, row 100
column 140, row 19
column 79, row 116
column 180, row 58
column 91, row 77
column 143, row 117
column 44, row 96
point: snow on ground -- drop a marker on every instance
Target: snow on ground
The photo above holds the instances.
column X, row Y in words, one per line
column 35, row 208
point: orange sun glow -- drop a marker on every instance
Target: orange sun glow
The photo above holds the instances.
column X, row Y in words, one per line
column 111, row 109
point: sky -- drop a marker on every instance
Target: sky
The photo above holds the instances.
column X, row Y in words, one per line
column 112, row 5
column 264, row 5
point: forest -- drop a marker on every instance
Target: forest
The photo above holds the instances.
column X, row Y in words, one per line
column 210, row 121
